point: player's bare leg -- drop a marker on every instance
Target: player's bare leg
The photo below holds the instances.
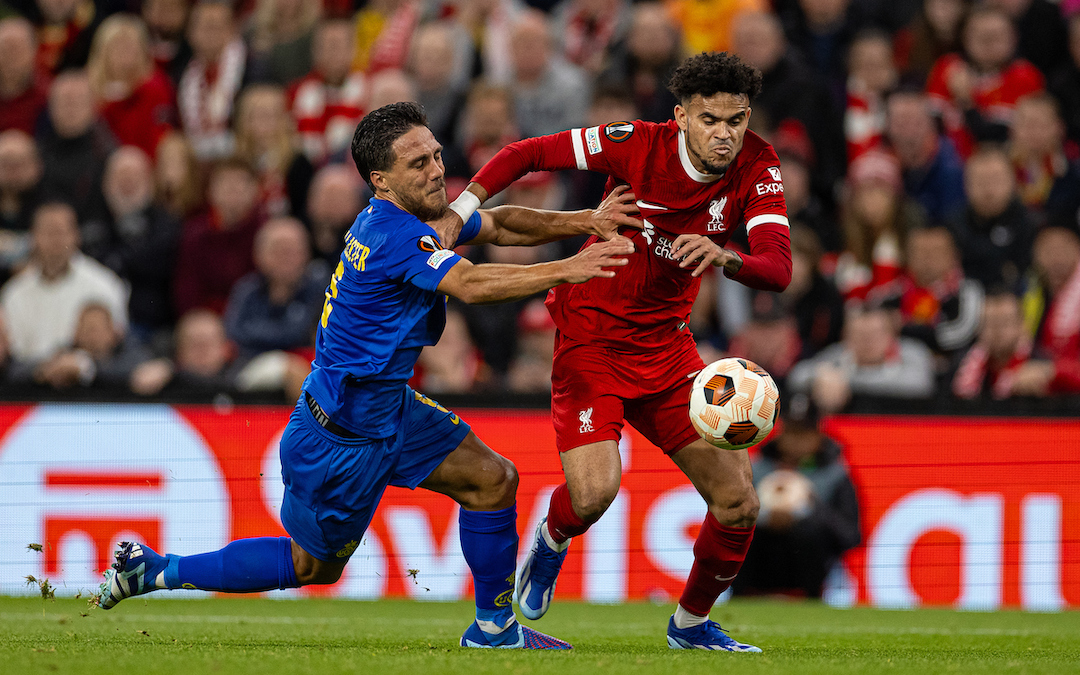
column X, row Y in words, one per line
column 593, row 473
column 485, row 485
column 725, row 480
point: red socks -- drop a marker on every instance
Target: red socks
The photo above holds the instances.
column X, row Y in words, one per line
column 718, row 554
column 562, row 522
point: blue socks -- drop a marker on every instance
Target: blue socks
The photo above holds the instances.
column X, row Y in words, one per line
column 489, row 540
column 244, row 566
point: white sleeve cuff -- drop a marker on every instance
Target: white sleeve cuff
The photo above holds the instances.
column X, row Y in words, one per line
column 465, row 205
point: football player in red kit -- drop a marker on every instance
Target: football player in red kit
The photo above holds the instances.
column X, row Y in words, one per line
column 623, row 348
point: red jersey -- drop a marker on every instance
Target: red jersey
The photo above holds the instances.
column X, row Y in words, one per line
column 647, row 304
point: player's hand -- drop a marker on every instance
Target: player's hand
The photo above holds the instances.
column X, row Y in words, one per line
column 691, row 248
column 590, row 262
column 614, row 212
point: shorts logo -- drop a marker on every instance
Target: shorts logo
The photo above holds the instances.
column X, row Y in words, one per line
column 716, row 213
column 774, row 171
column 348, row 550
column 428, row 244
column 585, row 417
column 592, row 140
column 438, row 257
column 617, row 132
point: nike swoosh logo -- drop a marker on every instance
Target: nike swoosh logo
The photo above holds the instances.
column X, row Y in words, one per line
column 720, row 578
column 647, row 205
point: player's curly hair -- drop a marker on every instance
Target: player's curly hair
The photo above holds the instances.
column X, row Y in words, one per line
column 710, row 73
column 373, row 141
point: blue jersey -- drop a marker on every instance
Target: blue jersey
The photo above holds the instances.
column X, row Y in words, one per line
column 381, row 309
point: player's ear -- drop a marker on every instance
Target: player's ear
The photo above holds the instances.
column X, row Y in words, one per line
column 378, row 181
column 680, row 117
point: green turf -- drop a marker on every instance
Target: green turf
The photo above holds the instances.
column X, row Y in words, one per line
column 267, row 637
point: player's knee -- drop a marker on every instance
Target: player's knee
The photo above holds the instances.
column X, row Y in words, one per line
column 591, row 503
column 310, row 570
column 495, row 485
column 738, row 511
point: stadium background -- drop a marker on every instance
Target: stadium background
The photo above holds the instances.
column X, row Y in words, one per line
column 969, row 505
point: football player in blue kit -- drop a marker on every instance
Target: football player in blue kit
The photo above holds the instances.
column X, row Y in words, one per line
column 358, row 426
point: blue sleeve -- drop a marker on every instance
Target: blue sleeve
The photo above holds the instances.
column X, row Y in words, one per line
column 470, row 229
column 420, row 259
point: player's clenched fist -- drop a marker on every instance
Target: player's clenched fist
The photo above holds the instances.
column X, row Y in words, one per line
column 591, row 261
column 690, row 248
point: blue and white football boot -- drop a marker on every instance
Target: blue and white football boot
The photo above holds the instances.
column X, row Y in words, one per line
column 136, row 571
column 708, row 635
column 514, row 636
column 536, row 580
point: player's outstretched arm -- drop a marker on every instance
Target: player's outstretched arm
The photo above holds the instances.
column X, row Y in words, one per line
column 492, row 283
column 520, row 226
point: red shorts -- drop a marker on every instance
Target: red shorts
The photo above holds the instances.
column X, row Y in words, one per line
column 594, row 388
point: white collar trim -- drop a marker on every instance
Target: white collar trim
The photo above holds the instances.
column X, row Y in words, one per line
column 688, row 166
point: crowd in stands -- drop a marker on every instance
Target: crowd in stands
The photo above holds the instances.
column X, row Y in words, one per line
column 175, row 182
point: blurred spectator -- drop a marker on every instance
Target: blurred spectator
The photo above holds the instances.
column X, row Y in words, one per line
column 934, row 33
column 550, row 95
column 20, row 194
column 817, row 305
column 707, row 24
column 975, row 92
column 276, row 306
column 42, row 303
column 803, row 205
column 177, row 177
column 216, row 246
column 204, row 360
column 138, row 240
column 771, row 337
column 266, row 139
column 488, row 25
column 489, row 124
column 390, row 86
column 1052, row 315
column 876, row 219
column 165, row 22
column 212, row 79
column 1048, row 182
column 872, row 360
column 871, row 75
column 1065, row 82
column 791, row 90
column 23, row 94
column 328, row 102
column 281, row 39
column 384, row 29
column 1042, row 39
column 530, row 371
column 454, row 364
column 99, row 355
column 821, row 31
column 440, row 79
column 937, row 304
column 932, row 169
column 74, row 145
column 988, row 369
column 809, row 509
column 136, row 99
column 333, row 204
column 64, row 28
column 641, row 65
column 995, row 230
column 588, row 29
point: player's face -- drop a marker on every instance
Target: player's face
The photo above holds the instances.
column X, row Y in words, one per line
column 417, row 180
column 714, row 127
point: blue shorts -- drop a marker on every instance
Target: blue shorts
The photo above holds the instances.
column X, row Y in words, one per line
column 333, row 484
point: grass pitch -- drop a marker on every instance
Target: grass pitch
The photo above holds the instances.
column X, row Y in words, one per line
column 267, row 637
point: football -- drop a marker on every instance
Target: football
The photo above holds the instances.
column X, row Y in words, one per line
column 734, row 403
